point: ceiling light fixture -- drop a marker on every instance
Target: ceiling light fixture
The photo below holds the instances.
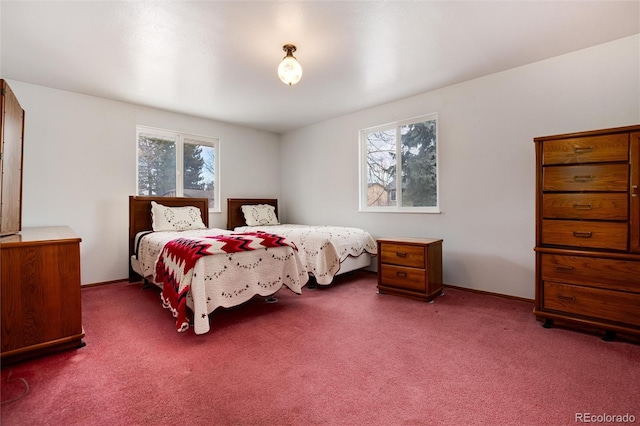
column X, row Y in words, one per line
column 289, row 70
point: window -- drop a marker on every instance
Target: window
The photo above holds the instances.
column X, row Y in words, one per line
column 399, row 166
column 172, row 164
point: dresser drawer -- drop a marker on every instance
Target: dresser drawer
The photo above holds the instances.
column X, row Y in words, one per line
column 597, row 177
column 611, row 274
column 601, row 206
column 402, row 254
column 605, row 235
column 591, row 149
column 609, row 305
column 400, row 276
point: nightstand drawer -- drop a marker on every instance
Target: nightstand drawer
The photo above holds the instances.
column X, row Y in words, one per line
column 402, row 254
column 400, row 276
column 609, row 305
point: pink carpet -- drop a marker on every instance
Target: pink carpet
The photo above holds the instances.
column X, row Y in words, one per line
column 341, row 355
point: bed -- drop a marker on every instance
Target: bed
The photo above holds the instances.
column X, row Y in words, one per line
column 326, row 251
column 200, row 270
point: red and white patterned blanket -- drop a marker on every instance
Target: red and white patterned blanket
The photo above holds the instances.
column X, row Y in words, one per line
column 174, row 267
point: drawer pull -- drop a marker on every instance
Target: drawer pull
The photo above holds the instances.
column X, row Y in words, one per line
column 582, row 149
column 634, row 190
column 401, row 274
column 583, row 178
column 582, row 234
column 564, row 268
column 401, row 254
column 566, row 298
column 577, row 206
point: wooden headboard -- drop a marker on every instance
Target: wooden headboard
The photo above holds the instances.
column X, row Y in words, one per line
column 140, row 217
column 235, row 217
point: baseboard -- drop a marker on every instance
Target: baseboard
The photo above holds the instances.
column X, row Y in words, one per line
column 489, row 293
column 473, row 290
column 105, row 283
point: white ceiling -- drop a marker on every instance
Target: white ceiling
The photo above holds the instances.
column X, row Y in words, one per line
column 218, row 59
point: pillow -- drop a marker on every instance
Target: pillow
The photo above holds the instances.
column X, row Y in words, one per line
column 260, row 214
column 175, row 218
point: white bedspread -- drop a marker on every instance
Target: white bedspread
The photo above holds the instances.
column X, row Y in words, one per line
column 322, row 248
column 226, row 280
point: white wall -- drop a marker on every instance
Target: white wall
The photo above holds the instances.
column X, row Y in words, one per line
column 487, row 159
column 79, row 162
column 80, row 165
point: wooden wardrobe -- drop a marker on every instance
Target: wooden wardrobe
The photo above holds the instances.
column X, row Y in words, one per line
column 40, row 300
column 12, row 134
column 588, row 230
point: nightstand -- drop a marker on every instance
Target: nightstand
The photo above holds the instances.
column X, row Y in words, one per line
column 410, row 267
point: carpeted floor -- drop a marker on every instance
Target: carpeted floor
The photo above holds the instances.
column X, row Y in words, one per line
column 341, row 355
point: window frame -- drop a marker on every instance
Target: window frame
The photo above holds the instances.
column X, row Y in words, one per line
column 180, row 138
column 363, row 181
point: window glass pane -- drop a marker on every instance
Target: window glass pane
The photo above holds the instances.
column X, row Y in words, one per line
column 156, row 165
column 381, row 167
column 199, row 170
column 399, row 166
column 418, row 162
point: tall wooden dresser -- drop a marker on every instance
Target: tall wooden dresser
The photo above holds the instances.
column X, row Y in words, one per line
column 41, row 309
column 588, row 230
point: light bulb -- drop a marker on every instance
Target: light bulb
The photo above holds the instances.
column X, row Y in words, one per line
column 289, row 70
